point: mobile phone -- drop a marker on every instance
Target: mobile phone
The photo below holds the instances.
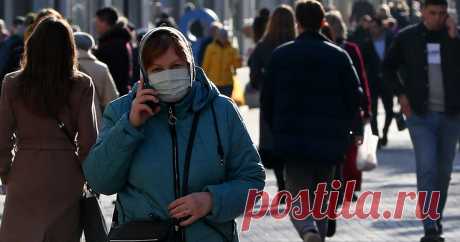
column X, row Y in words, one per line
column 147, row 85
column 151, row 104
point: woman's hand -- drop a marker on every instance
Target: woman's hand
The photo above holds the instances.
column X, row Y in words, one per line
column 141, row 112
column 192, row 207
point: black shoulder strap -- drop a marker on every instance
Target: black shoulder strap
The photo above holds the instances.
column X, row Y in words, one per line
column 188, row 154
column 220, row 149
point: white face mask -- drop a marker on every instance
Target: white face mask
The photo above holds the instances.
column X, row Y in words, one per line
column 172, row 85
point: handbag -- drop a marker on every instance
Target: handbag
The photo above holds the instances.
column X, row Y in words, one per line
column 367, row 152
column 91, row 217
column 156, row 230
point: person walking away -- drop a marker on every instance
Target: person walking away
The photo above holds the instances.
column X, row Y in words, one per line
column 114, row 48
column 259, row 26
column 280, row 29
column 311, row 105
column 106, row 90
column 426, row 55
column 221, row 60
column 374, row 50
column 44, row 179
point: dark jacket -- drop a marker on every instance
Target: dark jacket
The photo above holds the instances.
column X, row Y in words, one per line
column 10, row 55
column 373, row 63
column 258, row 62
column 407, row 57
column 115, row 50
column 310, row 99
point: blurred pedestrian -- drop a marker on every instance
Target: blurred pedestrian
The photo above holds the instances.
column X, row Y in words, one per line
column 136, row 65
column 361, row 32
column 165, row 20
column 106, row 90
column 400, row 11
column 311, row 105
column 12, row 48
column 133, row 156
column 360, row 9
column 383, row 12
column 114, row 48
column 280, row 29
column 426, row 56
column 260, row 24
column 44, row 181
column 211, row 36
column 374, row 50
column 221, row 60
column 44, row 13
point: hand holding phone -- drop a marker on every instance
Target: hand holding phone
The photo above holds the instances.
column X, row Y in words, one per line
column 151, row 104
column 144, row 106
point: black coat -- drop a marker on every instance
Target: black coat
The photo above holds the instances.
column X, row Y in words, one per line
column 11, row 51
column 258, row 62
column 373, row 63
column 311, row 98
column 407, row 57
column 115, row 50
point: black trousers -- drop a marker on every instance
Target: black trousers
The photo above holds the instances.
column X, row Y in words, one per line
column 387, row 99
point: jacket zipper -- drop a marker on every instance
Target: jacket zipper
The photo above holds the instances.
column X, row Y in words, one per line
column 175, row 154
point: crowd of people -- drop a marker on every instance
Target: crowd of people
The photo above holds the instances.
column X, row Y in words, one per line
column 134, row 113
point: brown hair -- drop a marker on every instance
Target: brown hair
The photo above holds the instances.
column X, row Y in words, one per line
column 309, row 14
column 48, row 67
column 281, row 26
column 159, row 43
column 44, row 13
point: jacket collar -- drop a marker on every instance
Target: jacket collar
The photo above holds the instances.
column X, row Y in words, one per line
column 422, row 28
column 312, row 35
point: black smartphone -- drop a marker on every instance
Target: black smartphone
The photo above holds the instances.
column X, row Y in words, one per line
column 151, row 104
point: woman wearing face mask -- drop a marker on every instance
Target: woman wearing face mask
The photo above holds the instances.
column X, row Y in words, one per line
column 148, row 139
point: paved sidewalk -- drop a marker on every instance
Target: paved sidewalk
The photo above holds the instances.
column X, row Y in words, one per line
column 395, row 173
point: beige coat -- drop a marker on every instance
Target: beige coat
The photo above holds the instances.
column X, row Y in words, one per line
column 44, row 180
column 106, row 90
